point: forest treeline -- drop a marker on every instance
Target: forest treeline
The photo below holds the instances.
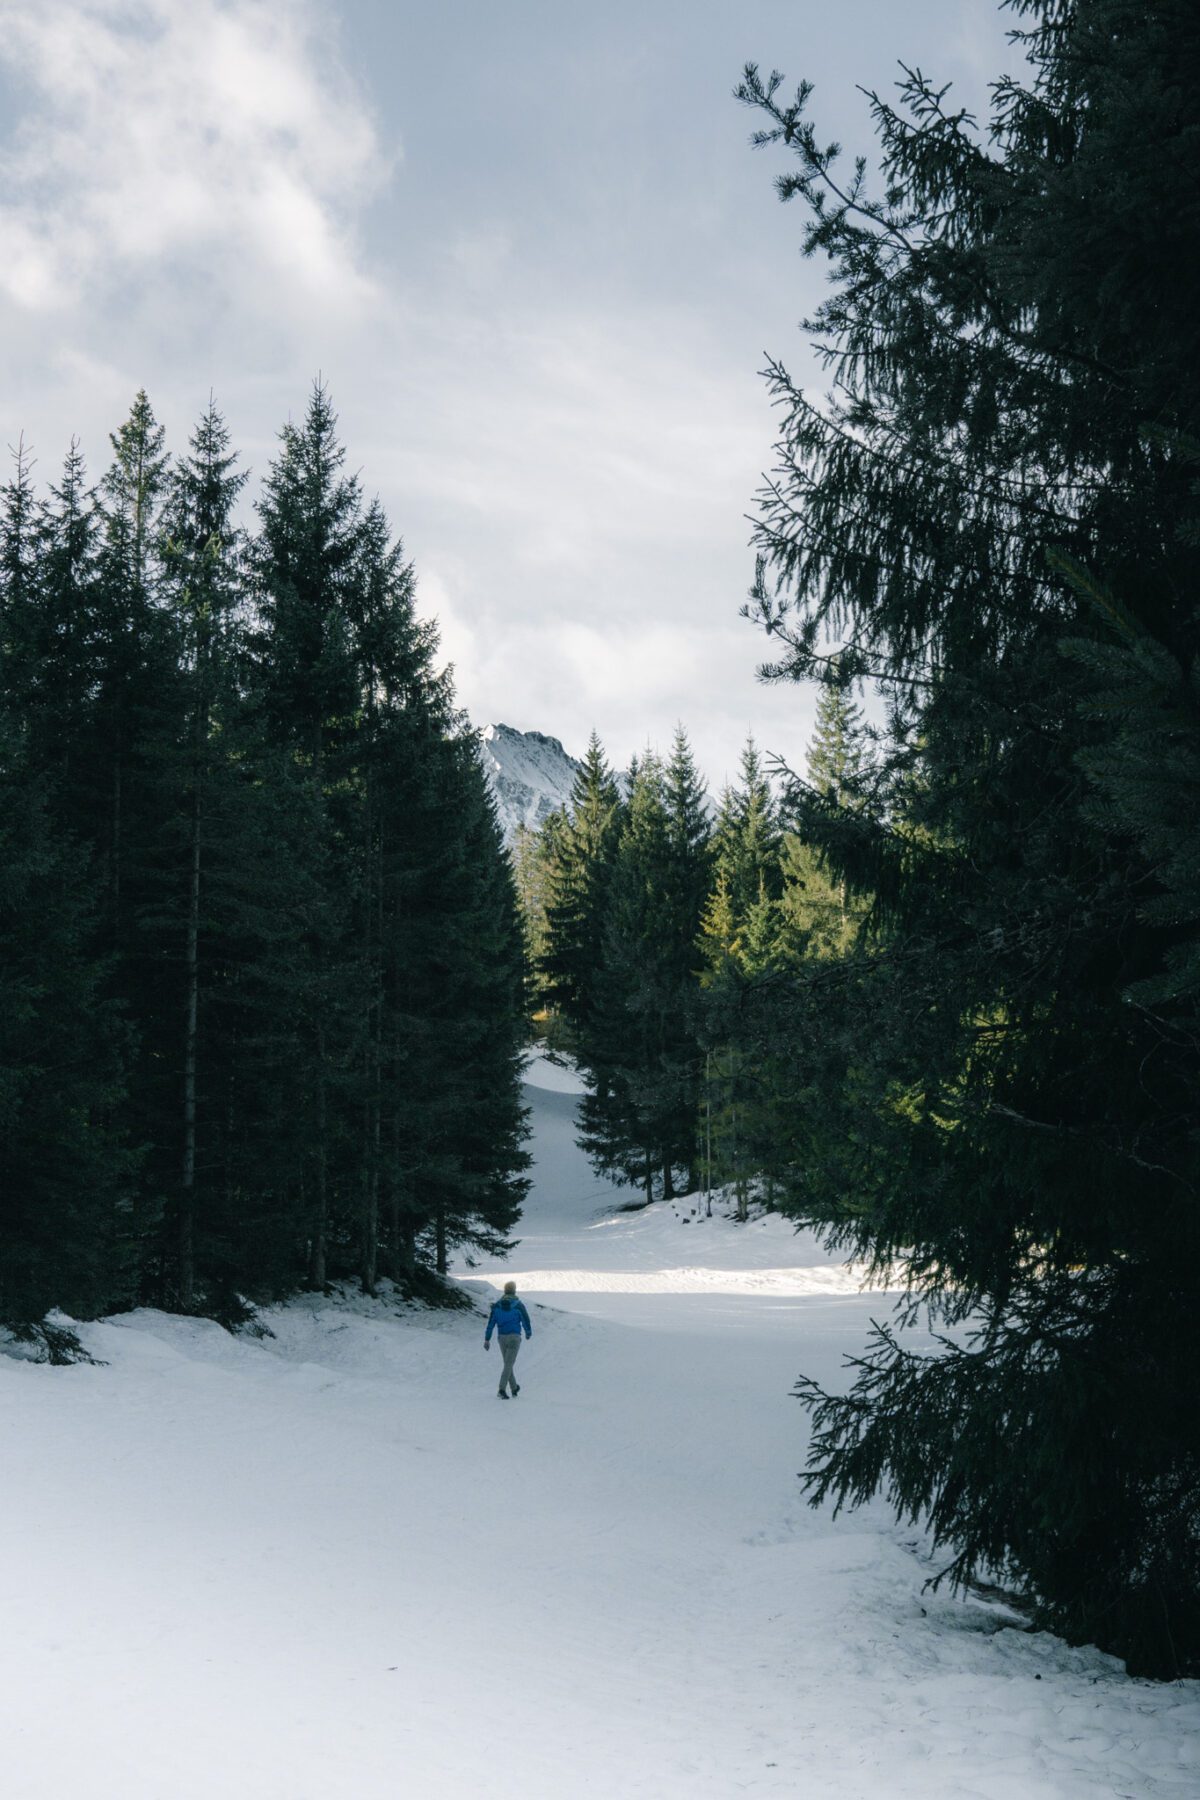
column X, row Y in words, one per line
column 648, row 915
column 260, row 966
column 986, row 1074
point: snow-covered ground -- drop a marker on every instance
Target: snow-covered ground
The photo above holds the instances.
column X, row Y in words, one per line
column 330, row 1565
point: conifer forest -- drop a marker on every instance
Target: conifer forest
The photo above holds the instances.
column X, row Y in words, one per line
column 262, row 1006
column 925, row 992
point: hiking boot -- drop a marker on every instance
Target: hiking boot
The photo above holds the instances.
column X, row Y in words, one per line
column 516, row 1390
column 503, row 1395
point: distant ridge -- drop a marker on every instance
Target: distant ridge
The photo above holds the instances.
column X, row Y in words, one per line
column 530, row 775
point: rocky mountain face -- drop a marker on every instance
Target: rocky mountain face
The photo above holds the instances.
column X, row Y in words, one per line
column 530, row 775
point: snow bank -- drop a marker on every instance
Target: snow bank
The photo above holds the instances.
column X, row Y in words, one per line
column 559, row 1076
column 330, row 1565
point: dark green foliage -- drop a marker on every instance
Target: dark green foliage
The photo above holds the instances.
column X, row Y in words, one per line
column 839, row 760
column 53, row 665
column 664, row 935
column 775, row 908
column 261, row 958
column 580, row 865
column 628, row 1031
column 452, row 1145
column 994, row 517
column 746, row 839
column 535, row 857
column 66, row 1171
column 637, row 1037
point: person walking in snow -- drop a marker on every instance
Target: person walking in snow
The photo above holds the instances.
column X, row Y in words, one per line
column 507, row 1319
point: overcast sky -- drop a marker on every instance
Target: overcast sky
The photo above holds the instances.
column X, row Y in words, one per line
column 530, row 250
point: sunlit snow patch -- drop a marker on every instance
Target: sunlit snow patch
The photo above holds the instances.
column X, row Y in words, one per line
column 834, row 1278
column 554, row 1077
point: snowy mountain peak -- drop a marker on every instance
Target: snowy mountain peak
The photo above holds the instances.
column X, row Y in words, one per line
column 531, row 775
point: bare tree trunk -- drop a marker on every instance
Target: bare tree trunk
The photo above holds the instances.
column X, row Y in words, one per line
column 187, row 1196
column 370, row 1230
column 370, row 1234
column 399, row 1229
column 408, row 1245
column 116, row 848
column 395, row 1242
column 370, row 1255
column 743, row 1210
column 321, row 1221
column 371, row 1261
column 707, row 1135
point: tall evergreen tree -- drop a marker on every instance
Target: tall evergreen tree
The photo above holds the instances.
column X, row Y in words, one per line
column 746, row 836
column 688, row 879
column 103, row 707
column 307, row 557
column 626, row 1034
column 584, row 850
column 137, row 658
column 838, row 757
column 203, row 558
column 535, row 857
column 18, row 560
column 63, row 665
column 640, row 1046
column 477, row 1169
column 409, row 987
column 819, row 915
column 1012, row 330
column 774, row 907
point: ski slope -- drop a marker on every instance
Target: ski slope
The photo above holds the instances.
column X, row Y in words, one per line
column 331, row 1565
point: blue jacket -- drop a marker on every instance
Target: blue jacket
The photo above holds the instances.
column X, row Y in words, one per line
column 507, row 1315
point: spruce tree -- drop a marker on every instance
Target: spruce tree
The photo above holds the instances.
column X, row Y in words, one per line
column 744, row 938
column 622, row 1115
column 306, row 559
column 819, row 915
column 137, row 658
column 838, row 758
column 409, row 986
column 477, row 1169
column 689, row 876
column 746, row 835
column 535, row 856
column 18, row 567
column 203, row 558
column 63, row 651
column 994, row 499
column 640, row 1047
column 577, row 901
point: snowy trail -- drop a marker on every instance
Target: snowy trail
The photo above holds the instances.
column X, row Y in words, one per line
column 333, row 1564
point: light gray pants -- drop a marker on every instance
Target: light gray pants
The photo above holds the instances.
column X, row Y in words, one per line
column 510, row 1343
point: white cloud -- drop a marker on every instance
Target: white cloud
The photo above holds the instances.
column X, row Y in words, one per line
column 570, row 466
column 573, row 488
column 214, row 143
